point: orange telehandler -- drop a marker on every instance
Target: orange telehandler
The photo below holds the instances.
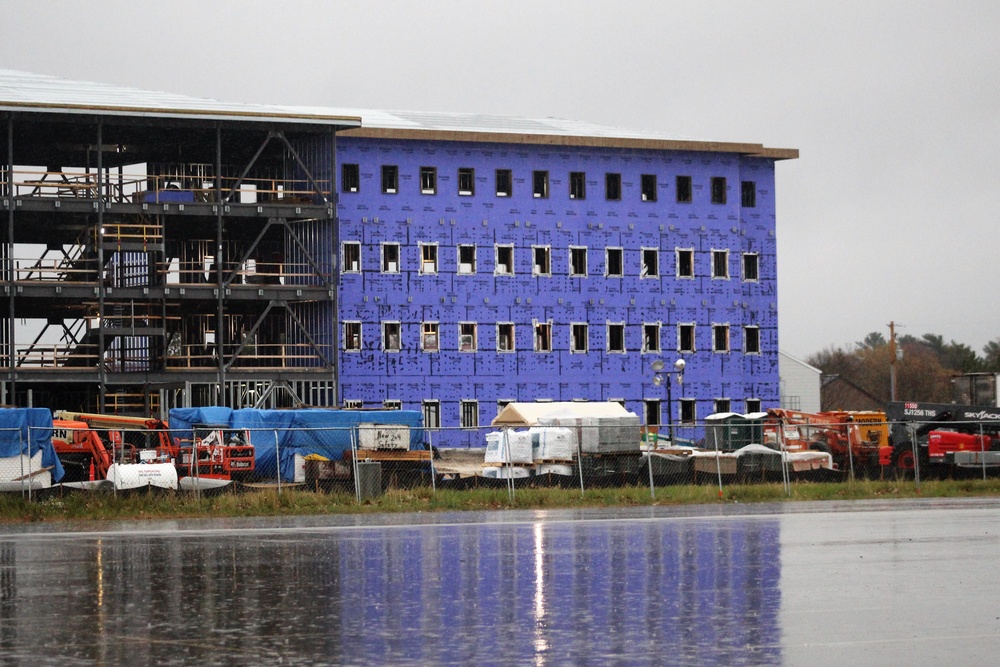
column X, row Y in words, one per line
column 851, row 438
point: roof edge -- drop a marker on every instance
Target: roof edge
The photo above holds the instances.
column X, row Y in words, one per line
column 178, row 113
column 754, row 150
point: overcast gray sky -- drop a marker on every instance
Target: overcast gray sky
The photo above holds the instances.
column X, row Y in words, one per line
column 891, row 212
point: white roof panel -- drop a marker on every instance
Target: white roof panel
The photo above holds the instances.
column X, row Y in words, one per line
column 23, row 90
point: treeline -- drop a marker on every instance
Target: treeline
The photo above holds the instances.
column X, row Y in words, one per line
column 925, row 366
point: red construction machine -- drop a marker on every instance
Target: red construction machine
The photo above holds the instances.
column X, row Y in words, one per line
column 851, row 438
column 214, row 452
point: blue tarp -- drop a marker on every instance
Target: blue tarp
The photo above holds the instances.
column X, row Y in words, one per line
column 28, row 431
column 323, row 432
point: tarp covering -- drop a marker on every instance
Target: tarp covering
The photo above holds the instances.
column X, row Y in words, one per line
column 325, row 432
column 528, row 414
column 27, row 431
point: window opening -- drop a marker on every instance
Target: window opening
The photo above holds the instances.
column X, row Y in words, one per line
column 428, row 180
column 578, row 261
column 466, row 181
column 390, row 258
column 579, row 338
column 685, row 338
column 540, row 184
column 350, row 178
column 684, row 190
column 390, row 179
column 615, row 263
column 613, row 187
column 542, row 261
column 505, row 260
column 718, row 189
column 352, row 336
column 650, row 263
column 505, row 183
column 616, row 337
column 352, row 257
column 429, row 337
column 505, row 337
column 466, row 259
column 428, row 258
column 467, row 337
column 390, row 336
column 648, row 183
column 685, row 263
column 577, row 185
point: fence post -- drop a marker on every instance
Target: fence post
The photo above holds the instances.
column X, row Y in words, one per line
column 785, row 477
column 718, row 463
column 982, row 449
column 850, row 450
column 277, row 459
column 916, row 456
column 20, row 439
column 354, row 462
column 506, row 460
column 579, row 455
column 430, row 443
column 649, row 460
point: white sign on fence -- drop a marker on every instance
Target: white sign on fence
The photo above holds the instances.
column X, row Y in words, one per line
column 384, row 436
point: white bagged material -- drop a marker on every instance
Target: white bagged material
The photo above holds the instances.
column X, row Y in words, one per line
column 552, row 443
column 554, row 469
column 514, row 447
column 500, row 472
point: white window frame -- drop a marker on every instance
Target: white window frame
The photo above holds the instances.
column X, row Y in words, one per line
column 729, row 344
column 607, row 262
column 642, row 263
column 677, row 260
column 353, row 404
column 343, row 257
column 647, row 403
column 399, row 341
column 474, row 404
column 746, row 339
column 659, row 338
column 572, row 338
column 428, row 329
column 360, row 346
column 725, row 253
column 472, row 175
column 513, row 337
column 382, row 263
column 473, row 345
column 754, row 407
column 607, row 338
column 433, row 270
column 572, row 273
column 392, row 404
column 496, row 259
column 458, row 259
column 743, row 267
column 548, row 260
column 431, row 190
column 694, row 337
column 537, row 327
column 428, row 402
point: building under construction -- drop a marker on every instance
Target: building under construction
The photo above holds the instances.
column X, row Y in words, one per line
column 167, row 251
column 162, row 250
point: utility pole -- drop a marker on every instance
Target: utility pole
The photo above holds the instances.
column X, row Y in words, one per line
column 892, row 360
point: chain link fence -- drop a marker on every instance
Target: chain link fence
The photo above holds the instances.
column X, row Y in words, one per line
column 367, row 460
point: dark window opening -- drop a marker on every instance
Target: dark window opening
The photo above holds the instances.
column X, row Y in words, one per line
column 577, row 185
column 467, row 339
column 428, row 180
column 350, row 178
column 688, row 411
column 685, row 336
column 753, row 405
column 390, row 258
column 542, row 263
column 429, row 337
column 613, row 187
column 748, row 194
column 751, row 267
column 466, row 259
column 720, row 338
column 470, row 414
column 751, row 340
column 543, row 337
column 684, row 195
column 651, row 338
column 352, row 257
column 650, row 263
column 577, row 261
column 616, row 337
column 505, row 337
column 718, row 189
column 615, row 263
column 652, row 412
column 720, row 264
column 722, row 405
column 540, row 184
column 428, row 259
column 352, row 336
column 390, row 179
column 432, row 414
column 648, row 187
column 466, row 181
column 505, row 260
column 505, row 183
column 579, row 339
column 685, row 263
column 390, row 336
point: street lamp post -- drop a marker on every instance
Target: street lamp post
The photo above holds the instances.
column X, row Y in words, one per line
column 659, row 377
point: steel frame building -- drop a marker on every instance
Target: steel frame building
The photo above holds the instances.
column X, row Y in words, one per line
column 443, row 262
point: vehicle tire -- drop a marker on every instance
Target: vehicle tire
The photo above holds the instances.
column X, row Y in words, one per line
column 902, row 460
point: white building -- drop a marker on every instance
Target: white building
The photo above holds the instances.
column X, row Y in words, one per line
column 800, row 383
